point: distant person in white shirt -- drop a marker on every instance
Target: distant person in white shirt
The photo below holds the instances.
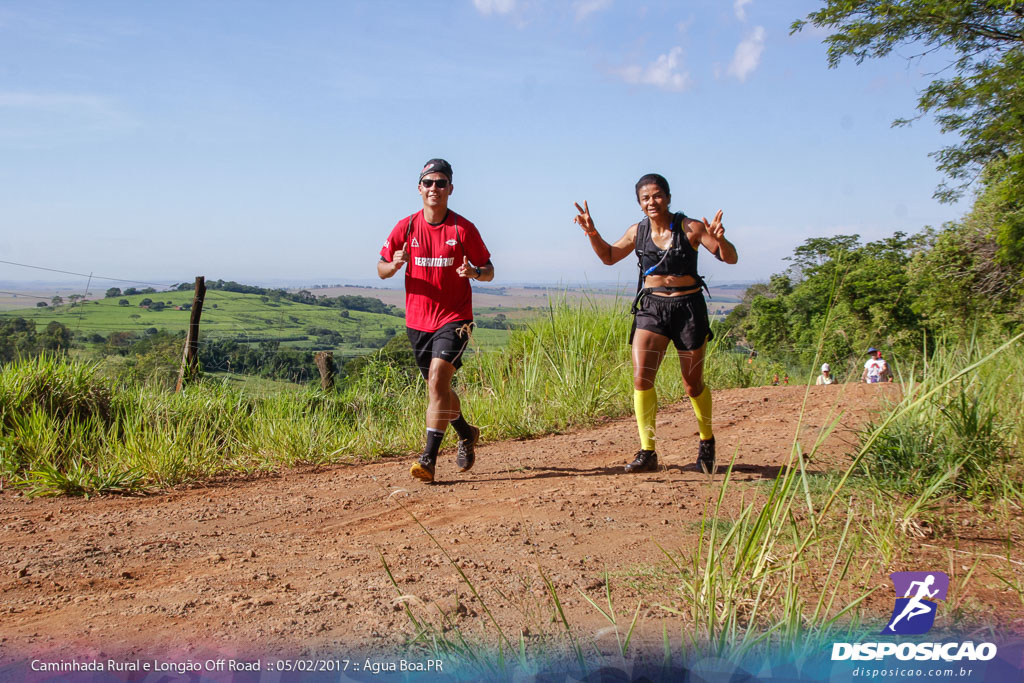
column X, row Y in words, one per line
column 826, row 375
column 875, row 369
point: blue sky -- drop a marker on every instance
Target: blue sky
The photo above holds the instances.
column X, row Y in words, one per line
column 260, row 141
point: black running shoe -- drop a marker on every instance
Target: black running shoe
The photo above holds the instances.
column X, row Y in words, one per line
column 467, row 456
column 706, row 456
column 645, row 461
column 423, row 468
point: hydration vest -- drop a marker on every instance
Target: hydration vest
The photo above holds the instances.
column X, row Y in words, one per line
column 679, row 259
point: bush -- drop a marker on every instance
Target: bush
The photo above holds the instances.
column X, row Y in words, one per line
column 961, row 440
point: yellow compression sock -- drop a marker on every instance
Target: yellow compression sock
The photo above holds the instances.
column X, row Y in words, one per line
column 645, row 404
column 702, row 409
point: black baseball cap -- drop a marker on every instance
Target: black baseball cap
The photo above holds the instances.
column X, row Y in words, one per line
column 437, row 166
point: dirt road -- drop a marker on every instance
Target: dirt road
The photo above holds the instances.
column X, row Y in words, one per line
column 293, row 563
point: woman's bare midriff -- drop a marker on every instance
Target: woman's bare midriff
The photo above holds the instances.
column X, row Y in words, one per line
column 686, row 281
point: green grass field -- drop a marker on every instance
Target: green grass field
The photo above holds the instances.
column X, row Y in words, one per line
column 244, row 318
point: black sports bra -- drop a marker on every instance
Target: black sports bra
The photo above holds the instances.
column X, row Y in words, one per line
column 679, row 259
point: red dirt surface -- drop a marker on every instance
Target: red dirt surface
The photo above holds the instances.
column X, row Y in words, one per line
column 291, row 563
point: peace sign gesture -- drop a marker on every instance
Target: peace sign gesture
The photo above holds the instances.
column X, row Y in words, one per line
column 715, row 227
column 714, row 239
column 584, row 220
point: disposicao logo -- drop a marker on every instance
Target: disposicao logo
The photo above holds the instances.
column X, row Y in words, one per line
column 912, row 615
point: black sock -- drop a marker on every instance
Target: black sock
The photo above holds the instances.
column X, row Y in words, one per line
column 434, row 439
column 463, row 428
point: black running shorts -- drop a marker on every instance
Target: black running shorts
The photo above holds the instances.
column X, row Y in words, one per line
column 448, row 343
column 683, row 319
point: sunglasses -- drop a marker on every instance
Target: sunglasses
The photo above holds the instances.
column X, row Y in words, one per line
column 428, row 183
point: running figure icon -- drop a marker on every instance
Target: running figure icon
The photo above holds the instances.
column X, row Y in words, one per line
column 916, row 607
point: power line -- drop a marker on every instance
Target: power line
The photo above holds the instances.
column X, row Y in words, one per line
column 95, row 277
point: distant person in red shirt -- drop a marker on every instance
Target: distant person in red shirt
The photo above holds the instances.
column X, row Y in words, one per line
column 444, row 252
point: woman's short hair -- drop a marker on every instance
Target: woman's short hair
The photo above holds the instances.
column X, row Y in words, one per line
column 653, row 179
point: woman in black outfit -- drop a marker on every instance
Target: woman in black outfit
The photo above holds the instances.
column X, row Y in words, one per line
column 669, row 307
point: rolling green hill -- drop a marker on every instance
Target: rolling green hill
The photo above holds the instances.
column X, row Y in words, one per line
column 244, row 318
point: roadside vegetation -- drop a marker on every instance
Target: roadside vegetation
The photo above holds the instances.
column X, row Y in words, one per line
column 73, row 427
column 796, row 566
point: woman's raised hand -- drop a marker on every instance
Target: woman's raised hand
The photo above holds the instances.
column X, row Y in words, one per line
column 715, row 227
column 583, row 219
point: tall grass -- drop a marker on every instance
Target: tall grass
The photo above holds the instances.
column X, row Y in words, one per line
column 965, row 438
column 791, row 572
column 67, row 428
column 769, row 579
column 780, row 573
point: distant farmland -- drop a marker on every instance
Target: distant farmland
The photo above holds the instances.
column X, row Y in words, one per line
column 520, row 301
column 256, row 318
column 244, row 318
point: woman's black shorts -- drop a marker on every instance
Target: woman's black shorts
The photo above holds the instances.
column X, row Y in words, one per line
column 447, row 343
column 683, row 319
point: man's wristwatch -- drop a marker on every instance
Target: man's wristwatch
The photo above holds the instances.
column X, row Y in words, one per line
column 478, row 271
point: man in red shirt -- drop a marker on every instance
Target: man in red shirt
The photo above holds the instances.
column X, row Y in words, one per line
column 444, row 252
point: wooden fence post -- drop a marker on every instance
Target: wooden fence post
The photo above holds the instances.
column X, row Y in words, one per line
column 325, row 363
column 189, row 357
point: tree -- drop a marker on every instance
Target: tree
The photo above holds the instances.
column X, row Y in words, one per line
column 769, row 328
column 18, row 339
column 124, row 302
column 112, row 293
column 983, row 100
column 817, row 252
column 56, row 338
column 41, row 304
column 119, row 341
column 57, row 300
column 960, row 276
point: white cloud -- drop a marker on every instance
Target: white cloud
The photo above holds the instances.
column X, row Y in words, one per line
column 494, row 6
column 585, row 8
column 662, row 73
column 740, row 8
column 748, row 55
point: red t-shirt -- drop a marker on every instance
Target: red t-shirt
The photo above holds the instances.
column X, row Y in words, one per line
column 435, row 295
